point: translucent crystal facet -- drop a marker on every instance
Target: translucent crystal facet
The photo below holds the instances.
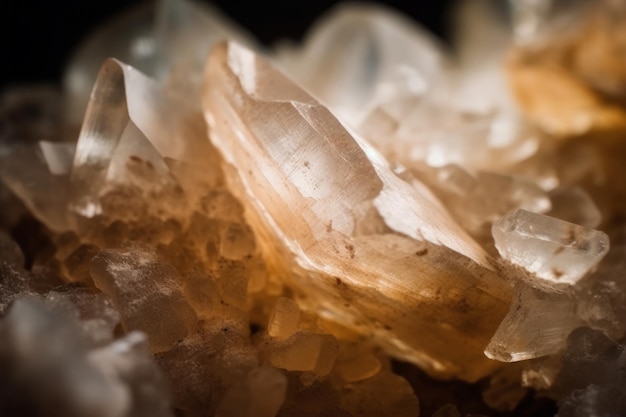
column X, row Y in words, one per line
column 537, row 324
column 556, row 251
column 132, row 131
column 295, row 205
column 361, row 55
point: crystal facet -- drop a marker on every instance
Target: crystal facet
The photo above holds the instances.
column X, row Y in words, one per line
column 290, row 196
column 556, row 251
column 225, row 239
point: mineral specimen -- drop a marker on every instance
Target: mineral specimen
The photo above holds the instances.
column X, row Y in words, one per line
column 554, row 250
column 237, row 233
column 315, row 218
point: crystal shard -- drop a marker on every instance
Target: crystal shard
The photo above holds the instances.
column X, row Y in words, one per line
column 44, row 190
column 479, row 199
column 304, row 351
column 558, row 252
column 284, row 320
column 289, row 143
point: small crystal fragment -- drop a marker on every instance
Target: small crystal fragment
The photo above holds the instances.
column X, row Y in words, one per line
column 284, row 319
column 477, row 200
column 558, row 252
column 132, row 128
column 43, row 191
column 305, row 351
column 537, row 324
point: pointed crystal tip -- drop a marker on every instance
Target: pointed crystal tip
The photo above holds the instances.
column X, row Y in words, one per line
column 556, row 251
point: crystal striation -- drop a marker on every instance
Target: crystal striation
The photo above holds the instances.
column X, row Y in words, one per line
column 295, row 207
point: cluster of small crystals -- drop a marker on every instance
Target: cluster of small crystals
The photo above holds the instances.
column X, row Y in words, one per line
column 236, row 235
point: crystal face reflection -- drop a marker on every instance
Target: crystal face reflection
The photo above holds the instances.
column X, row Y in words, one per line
column 268, row 229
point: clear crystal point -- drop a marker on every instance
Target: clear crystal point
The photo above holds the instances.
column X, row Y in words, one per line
column 556, row 251
column 132, row 123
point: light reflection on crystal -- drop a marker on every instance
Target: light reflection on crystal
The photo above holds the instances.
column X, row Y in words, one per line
column 423, row 209
column 556, row 251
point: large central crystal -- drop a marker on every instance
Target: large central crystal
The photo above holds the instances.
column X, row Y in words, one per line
column 369, row 249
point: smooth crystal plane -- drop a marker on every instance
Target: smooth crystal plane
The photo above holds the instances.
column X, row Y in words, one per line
column 346, row 227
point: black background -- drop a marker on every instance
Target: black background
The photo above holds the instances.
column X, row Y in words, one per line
column 38, row 36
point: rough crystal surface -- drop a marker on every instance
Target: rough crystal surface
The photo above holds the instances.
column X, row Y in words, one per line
column 537, row 325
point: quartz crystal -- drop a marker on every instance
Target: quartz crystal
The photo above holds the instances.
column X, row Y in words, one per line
column 371, row 52
column 369, row 224
column 554, row 250
column 315, row 218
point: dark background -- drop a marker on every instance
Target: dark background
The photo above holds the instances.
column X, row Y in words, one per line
column 38, row 36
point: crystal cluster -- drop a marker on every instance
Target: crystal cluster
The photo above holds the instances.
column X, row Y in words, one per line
column 230, row 231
